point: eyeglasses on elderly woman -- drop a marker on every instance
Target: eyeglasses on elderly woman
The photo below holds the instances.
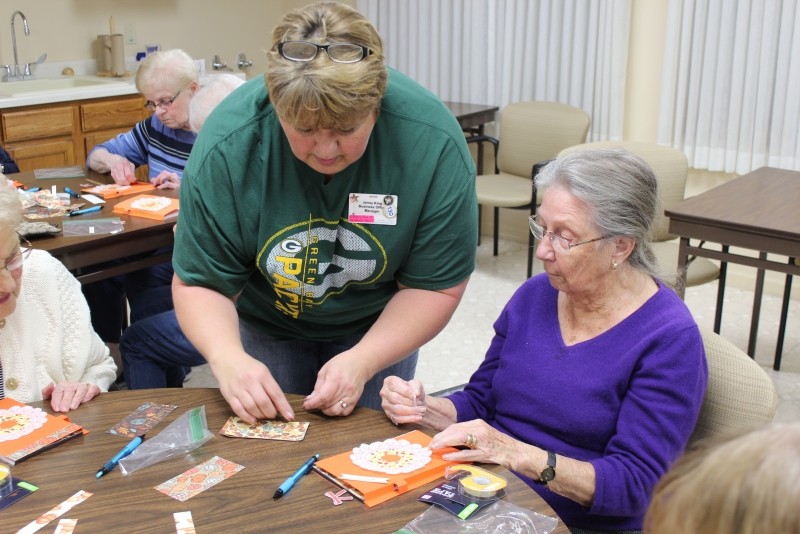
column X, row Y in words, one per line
column 561, row 245
column 15, row 262
column 339, row 52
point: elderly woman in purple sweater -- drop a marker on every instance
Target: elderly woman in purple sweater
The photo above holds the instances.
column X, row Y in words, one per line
column 594, row 379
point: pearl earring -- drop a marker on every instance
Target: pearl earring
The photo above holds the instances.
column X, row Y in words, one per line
column 614, row 265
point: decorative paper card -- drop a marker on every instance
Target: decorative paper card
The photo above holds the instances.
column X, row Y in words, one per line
column 142, row 420
column 25, row 430
column 199, row 478
column 184, row 524
column 149, row 206
column 115, row 190
column 407, row 452
column 44, row 519
column 268, row 429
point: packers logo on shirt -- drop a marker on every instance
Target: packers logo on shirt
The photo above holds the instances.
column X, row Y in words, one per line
column 310, row 261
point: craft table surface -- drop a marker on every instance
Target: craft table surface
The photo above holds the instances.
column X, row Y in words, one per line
column 242, row 503
column 83, row 255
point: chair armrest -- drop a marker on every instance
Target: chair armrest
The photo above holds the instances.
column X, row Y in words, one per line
column 480, row 139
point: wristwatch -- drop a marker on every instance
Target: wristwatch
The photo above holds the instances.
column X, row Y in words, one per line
column 549, row 472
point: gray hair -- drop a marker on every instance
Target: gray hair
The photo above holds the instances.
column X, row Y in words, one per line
column 621, row 191
column 208, row 96
column 166, row 68
column 10, row 206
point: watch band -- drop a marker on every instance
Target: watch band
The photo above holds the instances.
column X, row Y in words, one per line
column 548, row 474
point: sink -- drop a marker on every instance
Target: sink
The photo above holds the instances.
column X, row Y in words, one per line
column 50, row 85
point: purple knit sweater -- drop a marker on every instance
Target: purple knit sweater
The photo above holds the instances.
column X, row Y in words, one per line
column 626, row 401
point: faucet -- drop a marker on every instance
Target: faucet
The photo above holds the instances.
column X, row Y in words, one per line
column 14, row 39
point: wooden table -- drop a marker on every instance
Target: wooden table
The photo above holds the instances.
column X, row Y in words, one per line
column 82, row 254
column 243, row 502
column 757, row 211
column 472, row 118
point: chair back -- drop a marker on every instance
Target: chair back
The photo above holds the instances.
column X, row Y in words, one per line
column 670, row 167
column 740, row 396
column 533, row 131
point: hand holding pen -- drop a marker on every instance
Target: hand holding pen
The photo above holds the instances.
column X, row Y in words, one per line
column 112, row 463
column 292, row 480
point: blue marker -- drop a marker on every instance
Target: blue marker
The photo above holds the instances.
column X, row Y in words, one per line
column 71, row 193
column 85, row 210
column 292, row 480
column 32, row 189
column 112, row 463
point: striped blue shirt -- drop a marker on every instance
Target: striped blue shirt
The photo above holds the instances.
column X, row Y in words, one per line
column 151, row 142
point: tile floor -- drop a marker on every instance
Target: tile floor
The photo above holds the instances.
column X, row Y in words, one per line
column 450, row 358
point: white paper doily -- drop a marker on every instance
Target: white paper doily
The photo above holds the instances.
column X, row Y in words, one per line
column 392, row 456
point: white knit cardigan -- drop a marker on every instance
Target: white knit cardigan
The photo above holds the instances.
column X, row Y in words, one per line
column 49, row 337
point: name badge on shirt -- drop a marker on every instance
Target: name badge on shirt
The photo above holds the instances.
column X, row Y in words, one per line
column 369, row 208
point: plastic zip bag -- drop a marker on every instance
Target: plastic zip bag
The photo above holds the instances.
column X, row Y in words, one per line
column 183, row 435
column 500, row 517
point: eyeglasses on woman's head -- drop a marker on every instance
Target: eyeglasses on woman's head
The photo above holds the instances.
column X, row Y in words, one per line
column 15, row 262
column 561, row 245
column 339, row 52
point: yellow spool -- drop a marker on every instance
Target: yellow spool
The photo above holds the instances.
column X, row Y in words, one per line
column 479, row 483
column 5, row 480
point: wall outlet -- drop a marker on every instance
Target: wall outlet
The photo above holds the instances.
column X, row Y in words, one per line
column 130, row 33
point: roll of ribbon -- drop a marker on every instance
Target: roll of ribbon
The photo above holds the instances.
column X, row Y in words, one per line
column 476, row 482
column 117, row 55
column 5, row 479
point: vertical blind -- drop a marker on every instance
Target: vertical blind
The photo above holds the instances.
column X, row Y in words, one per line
column 501, row 51
column 730, row 96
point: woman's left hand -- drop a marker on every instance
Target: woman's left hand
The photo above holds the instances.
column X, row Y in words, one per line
column 167, row 180
column 340, row 384
column 66, row 396
column 484, row 443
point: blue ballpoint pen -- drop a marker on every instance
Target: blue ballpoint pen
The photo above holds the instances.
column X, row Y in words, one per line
column 72, row 193
column 83, row 211
column 112, row 463
column 292, row 480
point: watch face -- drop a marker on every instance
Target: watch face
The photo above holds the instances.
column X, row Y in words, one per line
column 548, row 474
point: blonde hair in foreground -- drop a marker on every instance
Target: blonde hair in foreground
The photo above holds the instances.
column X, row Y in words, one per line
column 322, row 93
column 749, row 484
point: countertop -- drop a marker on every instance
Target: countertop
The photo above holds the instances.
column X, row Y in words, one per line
column 105, row 87
column 121, row 87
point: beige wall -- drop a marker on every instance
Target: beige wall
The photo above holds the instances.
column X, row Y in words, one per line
column 66, row 29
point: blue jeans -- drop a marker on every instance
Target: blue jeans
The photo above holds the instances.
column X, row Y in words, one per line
column 155, row 354
column 106, row 298
column 295, row 363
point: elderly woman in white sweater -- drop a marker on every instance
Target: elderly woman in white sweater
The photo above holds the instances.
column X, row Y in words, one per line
column 48, row 349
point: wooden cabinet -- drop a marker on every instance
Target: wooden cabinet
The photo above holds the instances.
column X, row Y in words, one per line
column 55, row 135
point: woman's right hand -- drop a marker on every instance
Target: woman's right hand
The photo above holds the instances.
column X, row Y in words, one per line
column 122, row 171
column 403, row 402
column 250, row 389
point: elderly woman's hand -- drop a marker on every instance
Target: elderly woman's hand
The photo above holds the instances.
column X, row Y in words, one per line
column 483, row 442
column 122, row 171
column 166, row 180
column 66, row 396
column 403, row 402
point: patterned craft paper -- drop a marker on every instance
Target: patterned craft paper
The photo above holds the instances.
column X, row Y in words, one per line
column 142, row 420
column 199, row 478
column 184, row 524
column 58, row 511
column 66, row 526
column 280, row 430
